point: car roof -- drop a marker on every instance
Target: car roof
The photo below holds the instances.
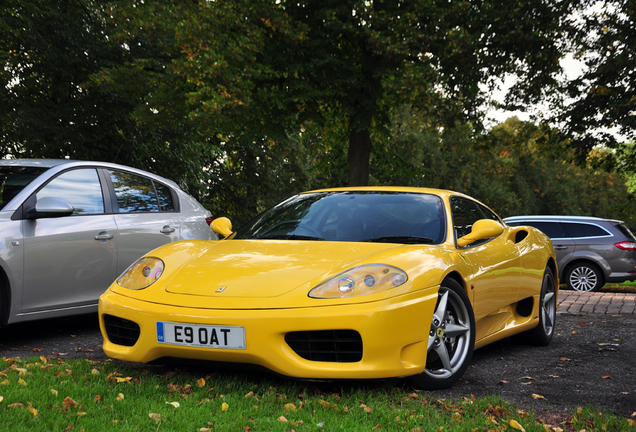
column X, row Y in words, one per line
column 63, row 163
column 45, row 163
column 558, row 218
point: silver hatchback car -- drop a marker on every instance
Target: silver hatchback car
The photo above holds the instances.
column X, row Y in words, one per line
column 590, row 251
column 69, row 228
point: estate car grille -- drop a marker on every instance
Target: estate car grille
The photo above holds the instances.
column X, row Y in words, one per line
column 121, row 331
column 338, row 346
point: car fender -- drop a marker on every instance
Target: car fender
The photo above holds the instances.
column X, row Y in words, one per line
column 575, row 256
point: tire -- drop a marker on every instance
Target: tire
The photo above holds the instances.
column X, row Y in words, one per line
column 542, row 334
column 584, row 277
column 451, row 339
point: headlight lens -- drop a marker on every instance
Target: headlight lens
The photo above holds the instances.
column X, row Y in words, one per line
column 362, row 280
column 141, row 274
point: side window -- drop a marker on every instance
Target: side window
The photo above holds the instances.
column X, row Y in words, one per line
column 137, row 194
column 488, row 214
column 465, row 214
column 551, row 229
column 164, row 194
column 578, row 230
column 80, row 188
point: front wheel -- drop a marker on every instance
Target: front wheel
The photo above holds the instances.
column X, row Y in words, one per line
column 451, row 339
column 585, row 277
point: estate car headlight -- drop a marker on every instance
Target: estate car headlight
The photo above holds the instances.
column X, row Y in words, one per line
column 361, row 280
column 142, row 273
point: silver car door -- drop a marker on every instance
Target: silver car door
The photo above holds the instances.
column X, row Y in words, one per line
column 69, row 261
column 147, row 216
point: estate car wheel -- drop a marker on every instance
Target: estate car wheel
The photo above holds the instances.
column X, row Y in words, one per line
column 451, row 339
column 585, row 277
column 542, row 333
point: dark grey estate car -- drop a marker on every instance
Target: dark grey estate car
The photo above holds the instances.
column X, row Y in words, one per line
column 590, row 251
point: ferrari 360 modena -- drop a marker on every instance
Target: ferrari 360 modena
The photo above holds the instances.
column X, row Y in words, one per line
column 348, row 283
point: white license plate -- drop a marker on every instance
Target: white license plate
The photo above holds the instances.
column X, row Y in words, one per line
column 203, row 336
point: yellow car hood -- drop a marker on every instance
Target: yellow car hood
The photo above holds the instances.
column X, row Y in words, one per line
column 266, row 268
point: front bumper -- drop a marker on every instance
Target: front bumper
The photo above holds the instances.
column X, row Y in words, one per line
column 394, row 335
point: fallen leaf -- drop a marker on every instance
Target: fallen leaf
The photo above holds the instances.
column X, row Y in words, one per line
column 250, row 394
column 201, row 382
column 97, row 398
column 607, row 377
column 536, row 396
column 120, row 397
column 564, row 359
column 515, row 425
column 121, row 380
column 94, row 372
column 324, row 403
column 155, row 417
column 290, row 406
column 33, row 411
column 282, row 419
column 225, row 406
column 174, row 404
column 68, row 402
column 54, row 392
column 581, row 325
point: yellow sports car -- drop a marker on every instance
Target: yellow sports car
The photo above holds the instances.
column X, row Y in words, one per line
column 363, row 283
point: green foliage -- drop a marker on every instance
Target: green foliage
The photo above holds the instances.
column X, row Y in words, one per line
column 604, row 96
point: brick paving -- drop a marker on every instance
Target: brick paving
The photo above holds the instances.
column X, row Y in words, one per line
column 609, row 303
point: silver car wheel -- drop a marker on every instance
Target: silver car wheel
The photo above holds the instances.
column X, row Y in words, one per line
column 449, row 342
column 548, row 304
column 584, row 278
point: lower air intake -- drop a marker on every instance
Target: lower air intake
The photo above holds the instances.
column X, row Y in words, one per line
column 121, row 331
column 336, row 346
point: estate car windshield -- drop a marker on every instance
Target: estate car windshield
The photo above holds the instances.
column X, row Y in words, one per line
column 15, row 178
column 391, row 217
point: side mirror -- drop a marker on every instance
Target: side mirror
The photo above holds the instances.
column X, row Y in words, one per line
column 482, row 229
column 49, row 207
column 222, row 226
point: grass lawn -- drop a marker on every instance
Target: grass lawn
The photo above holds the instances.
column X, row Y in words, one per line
column 625, row 286
column 49, row 394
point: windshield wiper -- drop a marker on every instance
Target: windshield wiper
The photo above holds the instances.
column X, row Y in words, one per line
column 400, row 239
column 289, row 237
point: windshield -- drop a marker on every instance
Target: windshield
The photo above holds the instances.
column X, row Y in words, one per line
column 15, row 178
column 393, row 217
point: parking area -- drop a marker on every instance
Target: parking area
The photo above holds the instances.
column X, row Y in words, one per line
column 604, row 302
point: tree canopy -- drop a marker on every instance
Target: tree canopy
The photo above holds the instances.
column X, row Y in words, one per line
column 244, row 102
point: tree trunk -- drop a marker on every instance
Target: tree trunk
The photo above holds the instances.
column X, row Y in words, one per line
column 359, row 156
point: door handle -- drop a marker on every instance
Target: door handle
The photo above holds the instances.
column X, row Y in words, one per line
column 560, row 247
column 167, row 230
column 103, row 236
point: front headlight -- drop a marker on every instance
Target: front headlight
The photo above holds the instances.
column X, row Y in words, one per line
column 362, row 280
column 142, row 273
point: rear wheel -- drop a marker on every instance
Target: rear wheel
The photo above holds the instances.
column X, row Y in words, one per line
column 451, row 339
column 585, row 277
column 542, row 333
